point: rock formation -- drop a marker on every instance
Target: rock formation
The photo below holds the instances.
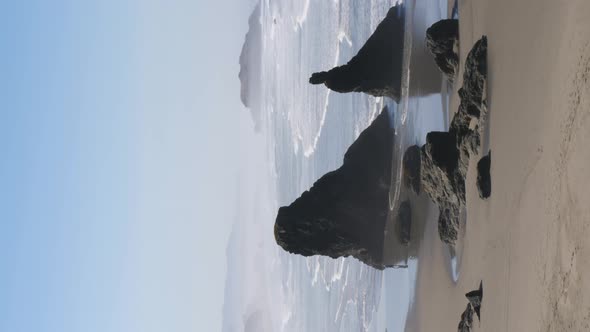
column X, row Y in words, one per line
column 474, row 306
column 411, row 168
column 445, row 156
column 404, row 222
column 251, row 66
column 377, row 67
column 442, row 39
column 466, row 323
column 484, row 180
column 345, row 211
column 475, row 297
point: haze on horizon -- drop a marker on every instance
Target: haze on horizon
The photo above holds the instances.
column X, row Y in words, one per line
column 121, row 131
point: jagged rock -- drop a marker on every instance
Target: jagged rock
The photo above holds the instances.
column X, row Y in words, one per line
column 475, row 297
column 466, row 323
column 484, row 180
column 442, row 39
column 345, row 211
column 404, row 222
column 377, row 67
column 443, row 181
column 251, row 66
column 445, row 156
column 411, row 165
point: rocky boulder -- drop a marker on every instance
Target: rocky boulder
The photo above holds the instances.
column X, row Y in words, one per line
column 345, row 212
column 411, row 168
column 474, row 306
column 404, row 222
column 377, row 67
column 445, row 156
column 484, row 179
column 466, row 323
column 442, row 40
column 475, row 297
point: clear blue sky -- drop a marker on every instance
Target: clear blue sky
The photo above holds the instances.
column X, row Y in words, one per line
column 117, row 169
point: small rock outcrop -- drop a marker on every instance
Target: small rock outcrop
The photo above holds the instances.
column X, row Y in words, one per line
column 484, row 179
column 474, row 306
column 377, row 67
column 345, row 212
column 411, row 168
column 466, row 323
column 445, row 156
column 251, row 66
column 475, row 297
column 442, row 40
column 404, row 222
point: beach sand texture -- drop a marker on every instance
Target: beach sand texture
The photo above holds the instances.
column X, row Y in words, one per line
column 530, row 241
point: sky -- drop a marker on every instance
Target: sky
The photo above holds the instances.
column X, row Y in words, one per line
column 120, row 127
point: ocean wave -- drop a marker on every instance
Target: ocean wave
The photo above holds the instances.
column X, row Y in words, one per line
column 316, row 272
column 311, row 149
column 342, row 36
column 301, row 18
column 286, row 318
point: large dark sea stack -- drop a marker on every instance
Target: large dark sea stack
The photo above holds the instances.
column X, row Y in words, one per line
column 442, row 39
column 445, row 156
column 345, row 211
column 377, row 67
column 251, row 66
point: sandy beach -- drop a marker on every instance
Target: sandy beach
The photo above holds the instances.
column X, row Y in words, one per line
column 530, row 241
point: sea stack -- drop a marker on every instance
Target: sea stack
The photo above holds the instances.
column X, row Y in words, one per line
column 377, row 67
column 345, row 212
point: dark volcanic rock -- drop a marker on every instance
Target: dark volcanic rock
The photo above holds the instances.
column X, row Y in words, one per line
column 411, row 164
column 466, row 323
column 404, row 222
column 484, row 180
column 345, row 211
column 251, row 66
column 376, row 69
column 475, row 297
column 445, row 156
column 442, row 39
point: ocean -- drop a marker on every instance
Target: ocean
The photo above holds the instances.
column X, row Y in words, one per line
column 305, row 131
